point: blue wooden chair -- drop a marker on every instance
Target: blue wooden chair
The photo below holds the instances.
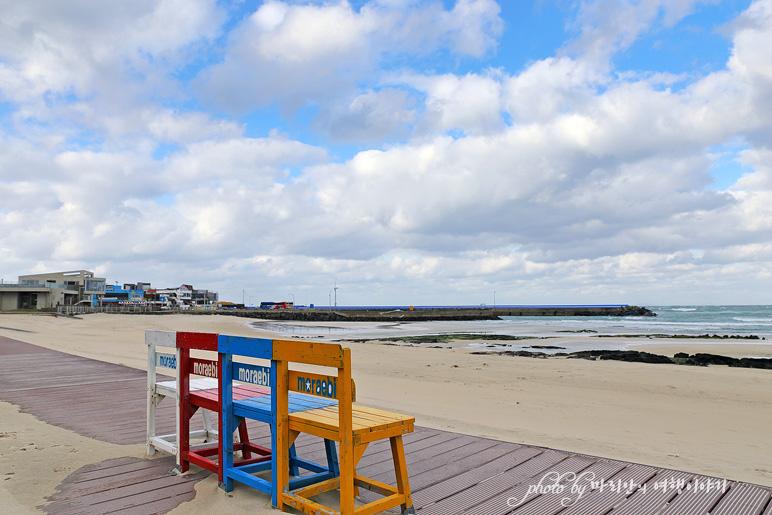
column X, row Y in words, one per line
column 263, row 409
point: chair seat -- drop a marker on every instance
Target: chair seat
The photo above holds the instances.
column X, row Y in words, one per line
column 209, row 398
column 169, row 388
column 368, row 424
column 259, row 406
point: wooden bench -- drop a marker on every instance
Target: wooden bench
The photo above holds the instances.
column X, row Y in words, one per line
column 323, row 406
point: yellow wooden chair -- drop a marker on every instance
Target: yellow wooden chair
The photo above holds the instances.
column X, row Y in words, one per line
column 351, row 425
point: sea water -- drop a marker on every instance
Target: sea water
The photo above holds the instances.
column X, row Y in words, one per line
column 670, row 320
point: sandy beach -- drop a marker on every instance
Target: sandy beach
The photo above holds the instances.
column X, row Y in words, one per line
column 708, row 420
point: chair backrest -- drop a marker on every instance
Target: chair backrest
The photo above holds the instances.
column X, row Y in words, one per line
column 229, row 346
column 188, row 365
column 287, row 351
column 157, row 342
column 321, row 354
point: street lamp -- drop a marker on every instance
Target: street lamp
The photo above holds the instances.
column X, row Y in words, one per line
column 293, row 299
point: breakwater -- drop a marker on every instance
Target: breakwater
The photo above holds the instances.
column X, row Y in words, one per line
column 353, row 314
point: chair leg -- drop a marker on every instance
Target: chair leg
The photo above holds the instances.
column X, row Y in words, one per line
column 208, row 429
column 294, row 470
column 183, row 437
column 244, row 439
column 332, row 458
column 228, row 427
column 151, row 405
column 400, row 468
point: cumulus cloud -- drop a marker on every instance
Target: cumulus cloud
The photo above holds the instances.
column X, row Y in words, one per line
column 84, row 65
column 300, row 54
column 371, row 116
column 470, row 104
column 608, row 26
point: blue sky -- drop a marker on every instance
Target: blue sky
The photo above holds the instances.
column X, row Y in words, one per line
column 416, row 152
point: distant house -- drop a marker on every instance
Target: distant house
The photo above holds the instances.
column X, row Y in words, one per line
column 42, row 291
column 127, row 295
column 183, row 297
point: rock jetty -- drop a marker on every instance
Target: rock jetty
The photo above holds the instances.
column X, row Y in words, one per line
column 441, row 314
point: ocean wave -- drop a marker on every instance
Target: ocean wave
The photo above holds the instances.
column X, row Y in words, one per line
column 751, row 319
column 684, row 309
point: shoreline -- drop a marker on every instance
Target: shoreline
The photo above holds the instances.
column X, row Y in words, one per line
column 651, row 414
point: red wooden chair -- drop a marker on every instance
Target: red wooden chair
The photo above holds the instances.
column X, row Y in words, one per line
column 190, row 400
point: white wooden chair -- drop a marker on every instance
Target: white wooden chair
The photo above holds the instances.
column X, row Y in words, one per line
column 159, row 390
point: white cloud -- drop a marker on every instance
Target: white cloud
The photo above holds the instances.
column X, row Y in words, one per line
column 78, row 46
column 372, row 116
column 313, row 54
column 471, row 103
column 92, row 67
column 258, row 161
column 550, row 87
column 608, row 26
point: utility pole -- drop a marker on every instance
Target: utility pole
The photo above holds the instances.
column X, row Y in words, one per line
column 336, row 292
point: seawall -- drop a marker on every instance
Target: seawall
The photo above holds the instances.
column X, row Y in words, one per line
column 481, row 313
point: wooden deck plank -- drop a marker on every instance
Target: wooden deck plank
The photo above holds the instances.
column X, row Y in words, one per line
column 428, row 462
column 444, row 489
column 693, row 500
column 651, row 498
column 606, row 496
column 510, row 491
column 12, row 347
column 122, row 485
column 556, row 501
column 494, row 486
column 743, row 499
column 768, row 511
column 430, row 468
column 447, row 471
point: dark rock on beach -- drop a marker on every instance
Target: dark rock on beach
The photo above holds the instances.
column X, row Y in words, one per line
column 520, row 353
column 682, row 358
column 703, row 360
column 621, row 355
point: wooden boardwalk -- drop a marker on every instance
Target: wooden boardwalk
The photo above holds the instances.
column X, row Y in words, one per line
column 450, row 473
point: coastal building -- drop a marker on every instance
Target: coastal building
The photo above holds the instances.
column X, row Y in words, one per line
column 182, row 297
column 45, row 291
column 81, row 287
column 205, row 298
column 127, row 295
